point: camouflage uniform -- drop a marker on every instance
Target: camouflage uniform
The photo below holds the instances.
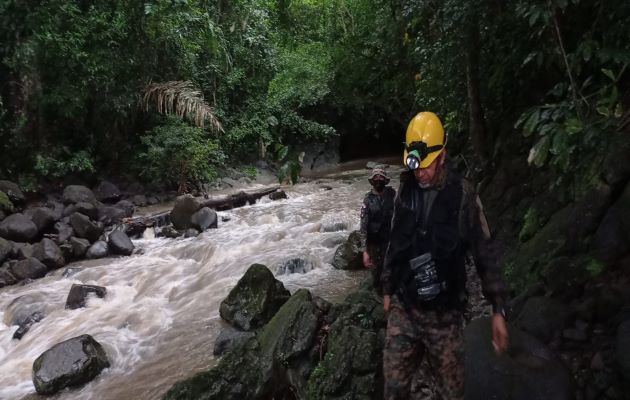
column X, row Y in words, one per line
column 376, row 215
column 446, row 221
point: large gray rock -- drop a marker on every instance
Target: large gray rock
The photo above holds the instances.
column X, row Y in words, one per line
column 529, row 371
column 78, row 194
column 88, row 209
column 31, row 268
column 49, row 254
column 254, row 300
column 23, row 250
column 5, row 249
column 127, row 207
column 79, row 247
column 349, row 254
column 543, row 318
column 98, row 250
column 12, row 191
column 6, row 207
column 109, row 215
column 78, row 294
column 107, row 192
column 70, row 363
column 85, row 228
column 7, row 277
column 119, row 243
column 185, row 207
column 44, row 218
column 230, row 339
column 64, row 231
column 273, row 365
column 204, row 219
column 623, row 348
column 352, row 366
column 139, row 200
column 18, row 227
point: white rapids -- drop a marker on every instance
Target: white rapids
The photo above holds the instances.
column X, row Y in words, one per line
column 160, row 317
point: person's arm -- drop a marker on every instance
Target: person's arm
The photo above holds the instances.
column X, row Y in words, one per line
column 363, row 228
column 493, row 284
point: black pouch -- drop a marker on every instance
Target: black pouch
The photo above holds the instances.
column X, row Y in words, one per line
column 425, row 285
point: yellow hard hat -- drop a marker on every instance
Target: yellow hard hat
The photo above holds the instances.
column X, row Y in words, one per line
column 425, row 140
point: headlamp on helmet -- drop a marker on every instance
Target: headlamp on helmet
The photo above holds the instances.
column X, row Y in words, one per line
column 418, row 151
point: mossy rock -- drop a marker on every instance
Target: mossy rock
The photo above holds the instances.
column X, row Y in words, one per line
column 254, row 300
column 5, row 203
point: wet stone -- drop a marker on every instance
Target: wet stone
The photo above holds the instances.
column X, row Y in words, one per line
column 78, row 295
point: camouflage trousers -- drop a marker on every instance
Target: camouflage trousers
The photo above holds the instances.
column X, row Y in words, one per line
column 377, row 255
column 413, row 334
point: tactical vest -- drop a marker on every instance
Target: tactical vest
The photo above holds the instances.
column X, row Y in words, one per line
column 440, row 233
column 380, row 210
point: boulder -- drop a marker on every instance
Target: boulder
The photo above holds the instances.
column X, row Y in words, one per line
column 127, row 207
column 352, row 365
column 69, row 210
column 5, row 204
column 85, row 228
column 5, row 249
column 543, row 318
column 78, row 294
column 349, row 255
column 64, row 231
column 334, row 227
column 273, row 365
column 49, row 254
column 97, row 250
column 18, row 227
column 623, row 347
column 107, row 192
column 229, row 339
column 254, row 300
column 296, row 266
column 79, row 247
column 44, row 219
column 109, row 215
column 67, row 251
column 30, row 268
column 204, row 219
column 27, row 324
column 119, row 243
column 13, row 192
column 611, row 241
column 23, row 250
column 278, row 195
column 70, row 363
column 185, row 207
column 139, row 200
column 529, row 370
column 7, row 277
column 152, row 200
column 87, row 209
column 78, row 194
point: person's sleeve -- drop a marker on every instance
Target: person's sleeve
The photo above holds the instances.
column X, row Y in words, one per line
column 389, row 266
column 364, row 224
column 485, row 255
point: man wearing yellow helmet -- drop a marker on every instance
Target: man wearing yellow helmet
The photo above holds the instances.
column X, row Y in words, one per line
column 437, row 219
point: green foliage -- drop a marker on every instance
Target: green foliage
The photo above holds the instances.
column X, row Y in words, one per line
column 63, row 163
column 177, row 153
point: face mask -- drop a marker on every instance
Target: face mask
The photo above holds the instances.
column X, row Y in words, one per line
column 379, row 186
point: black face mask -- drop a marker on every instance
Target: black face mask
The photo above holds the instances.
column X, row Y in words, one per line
column 378, row 186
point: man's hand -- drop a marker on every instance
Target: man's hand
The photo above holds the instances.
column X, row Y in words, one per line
column 367, row 261
column 386, row 300
column 500, row 337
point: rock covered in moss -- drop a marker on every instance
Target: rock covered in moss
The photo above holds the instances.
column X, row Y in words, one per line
column 349, row 254
column 254, row 300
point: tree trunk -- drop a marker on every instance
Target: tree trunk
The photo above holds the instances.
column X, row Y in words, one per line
column 476, row 119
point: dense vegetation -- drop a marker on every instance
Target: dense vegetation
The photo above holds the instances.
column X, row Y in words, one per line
column 271, row 75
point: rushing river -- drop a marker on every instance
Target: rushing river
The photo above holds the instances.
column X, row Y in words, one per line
column 160, row 317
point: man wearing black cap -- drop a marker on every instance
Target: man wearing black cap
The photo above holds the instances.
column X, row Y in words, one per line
column 376, row 216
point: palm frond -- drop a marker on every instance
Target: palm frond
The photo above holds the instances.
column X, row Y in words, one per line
column 181, row 98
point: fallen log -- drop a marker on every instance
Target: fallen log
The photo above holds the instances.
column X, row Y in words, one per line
column 236, row 200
